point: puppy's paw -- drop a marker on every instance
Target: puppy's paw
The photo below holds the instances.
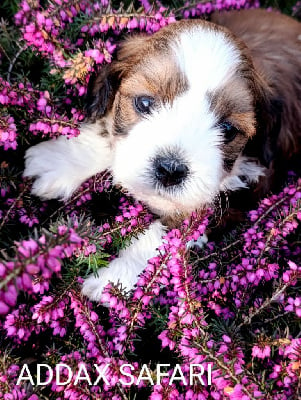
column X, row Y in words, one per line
column 200, row 243
column 51, row 170
column 120, row 270
column 93, row 286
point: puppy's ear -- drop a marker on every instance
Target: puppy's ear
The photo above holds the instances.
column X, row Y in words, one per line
column 103, row 85
column 268, row 110
column 101, row 91
column 269, row 118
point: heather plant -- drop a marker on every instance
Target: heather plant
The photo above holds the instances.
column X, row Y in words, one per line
column 230, row 310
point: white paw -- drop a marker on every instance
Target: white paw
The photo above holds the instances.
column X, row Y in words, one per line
column 121, row 270
column 51, row 170
column 60, row 166
column 200, row 243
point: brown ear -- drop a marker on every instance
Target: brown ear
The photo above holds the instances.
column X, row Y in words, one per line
column 101, row 92
column 269, row 127
column 103, row 85
column 268, row 111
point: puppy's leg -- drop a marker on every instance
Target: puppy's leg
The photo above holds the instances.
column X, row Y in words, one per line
column 62, row 165
column 129, row 265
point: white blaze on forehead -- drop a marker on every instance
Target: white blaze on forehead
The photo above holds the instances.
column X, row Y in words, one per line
column 207, row 58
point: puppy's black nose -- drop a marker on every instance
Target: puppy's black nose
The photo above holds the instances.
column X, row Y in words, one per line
column 170, row 171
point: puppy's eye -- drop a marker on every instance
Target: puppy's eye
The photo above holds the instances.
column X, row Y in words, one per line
column 230, row 132
column 143, row 104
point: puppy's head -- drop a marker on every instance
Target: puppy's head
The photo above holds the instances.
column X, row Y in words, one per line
column 180, row 107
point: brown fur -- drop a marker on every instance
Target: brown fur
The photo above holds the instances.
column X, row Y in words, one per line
column 262, row 99
column 234, row 103
column 153, row 76
column 144, row 66
column 274, row 44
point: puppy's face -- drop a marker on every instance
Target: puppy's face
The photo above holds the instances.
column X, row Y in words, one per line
column 179, row 107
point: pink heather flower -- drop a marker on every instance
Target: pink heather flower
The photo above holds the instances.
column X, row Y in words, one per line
column 97, row 56
column 261, row 352
column 8, row 133
column 227, row 339
column 3, row 308
column 186, row 294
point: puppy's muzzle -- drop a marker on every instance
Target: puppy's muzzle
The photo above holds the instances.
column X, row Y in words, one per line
column 170, row 171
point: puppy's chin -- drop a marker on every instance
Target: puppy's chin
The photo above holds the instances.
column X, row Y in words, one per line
column 166, row 207
column 165, row 203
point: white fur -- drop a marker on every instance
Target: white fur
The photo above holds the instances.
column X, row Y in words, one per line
column 129, row 265
column 187, row 125
column 207, row 59
column 246, row 167
column 214, row 59
column 62, row 165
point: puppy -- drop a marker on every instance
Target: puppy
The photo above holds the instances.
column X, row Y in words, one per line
column 196, row 109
